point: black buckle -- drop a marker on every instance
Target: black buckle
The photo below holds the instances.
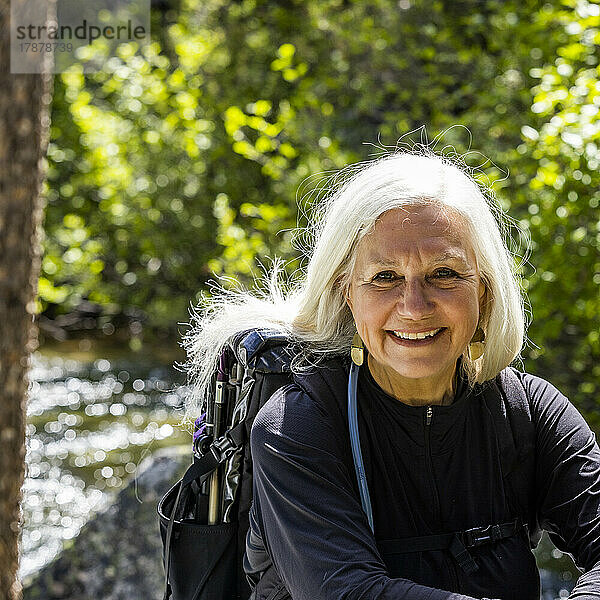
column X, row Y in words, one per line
column 223, row 448
column 482, row 535
column 465, row 561
column 201, row 445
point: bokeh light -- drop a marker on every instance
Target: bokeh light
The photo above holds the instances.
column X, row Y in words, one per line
column 89, row 426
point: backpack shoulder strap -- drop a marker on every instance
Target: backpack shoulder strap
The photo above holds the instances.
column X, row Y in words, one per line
column 507, row 402
column 250, row 345
column 261, row 353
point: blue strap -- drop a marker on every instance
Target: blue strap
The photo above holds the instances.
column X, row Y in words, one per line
column 359, row 466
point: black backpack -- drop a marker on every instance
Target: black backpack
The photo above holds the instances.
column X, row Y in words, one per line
column 202, row 561
column 205, row 561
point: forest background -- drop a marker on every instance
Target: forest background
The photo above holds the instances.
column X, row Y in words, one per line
column 189, row 157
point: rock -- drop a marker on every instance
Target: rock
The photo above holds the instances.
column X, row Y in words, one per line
column 118, row 553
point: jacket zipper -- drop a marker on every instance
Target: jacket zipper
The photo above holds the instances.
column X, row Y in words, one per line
column 436, row 497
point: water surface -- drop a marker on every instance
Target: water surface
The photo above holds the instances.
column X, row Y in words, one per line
column 90, row 422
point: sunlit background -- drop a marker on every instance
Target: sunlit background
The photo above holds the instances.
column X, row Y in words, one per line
column 190, row 156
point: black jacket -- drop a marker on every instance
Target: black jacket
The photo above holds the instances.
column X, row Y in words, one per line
column 428, row 473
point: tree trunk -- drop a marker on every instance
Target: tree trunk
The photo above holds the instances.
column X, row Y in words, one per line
column 24, row 121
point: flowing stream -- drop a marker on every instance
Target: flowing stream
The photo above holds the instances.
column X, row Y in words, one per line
column 89, row 424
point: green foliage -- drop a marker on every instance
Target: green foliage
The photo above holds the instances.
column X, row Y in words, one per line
column 562, row 200
column 126, row 162
column 184, row 158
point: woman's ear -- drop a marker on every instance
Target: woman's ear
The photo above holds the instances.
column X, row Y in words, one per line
column 342, row 283
column 348, row 300
column 484, row 299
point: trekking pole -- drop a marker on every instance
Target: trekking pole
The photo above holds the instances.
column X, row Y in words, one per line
column 235, row 381
column 214, row 492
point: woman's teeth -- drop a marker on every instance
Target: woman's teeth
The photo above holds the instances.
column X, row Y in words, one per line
column 416, row 336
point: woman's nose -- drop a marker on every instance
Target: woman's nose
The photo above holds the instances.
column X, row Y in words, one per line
column 415, row 302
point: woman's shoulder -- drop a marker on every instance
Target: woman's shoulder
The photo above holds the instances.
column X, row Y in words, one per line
column 539, row 391
column 311, row 406
column 551, row 410
column 325, row 379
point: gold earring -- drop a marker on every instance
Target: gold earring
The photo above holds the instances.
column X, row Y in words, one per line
column 357, row 350
column 477, row 344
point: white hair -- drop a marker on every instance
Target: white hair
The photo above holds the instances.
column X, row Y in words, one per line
column 315, row 313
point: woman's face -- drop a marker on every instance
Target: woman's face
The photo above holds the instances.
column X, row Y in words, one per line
column 415, row 294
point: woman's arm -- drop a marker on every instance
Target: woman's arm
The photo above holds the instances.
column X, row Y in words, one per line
column 567, row 481
column 307, row 512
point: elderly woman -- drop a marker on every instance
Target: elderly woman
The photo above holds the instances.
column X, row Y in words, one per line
column 410, row 276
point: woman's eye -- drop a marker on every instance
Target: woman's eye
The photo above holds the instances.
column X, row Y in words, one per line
column 385, row 276
column 445, row 273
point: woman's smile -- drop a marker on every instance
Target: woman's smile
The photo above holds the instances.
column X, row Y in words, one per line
column 416, row 339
